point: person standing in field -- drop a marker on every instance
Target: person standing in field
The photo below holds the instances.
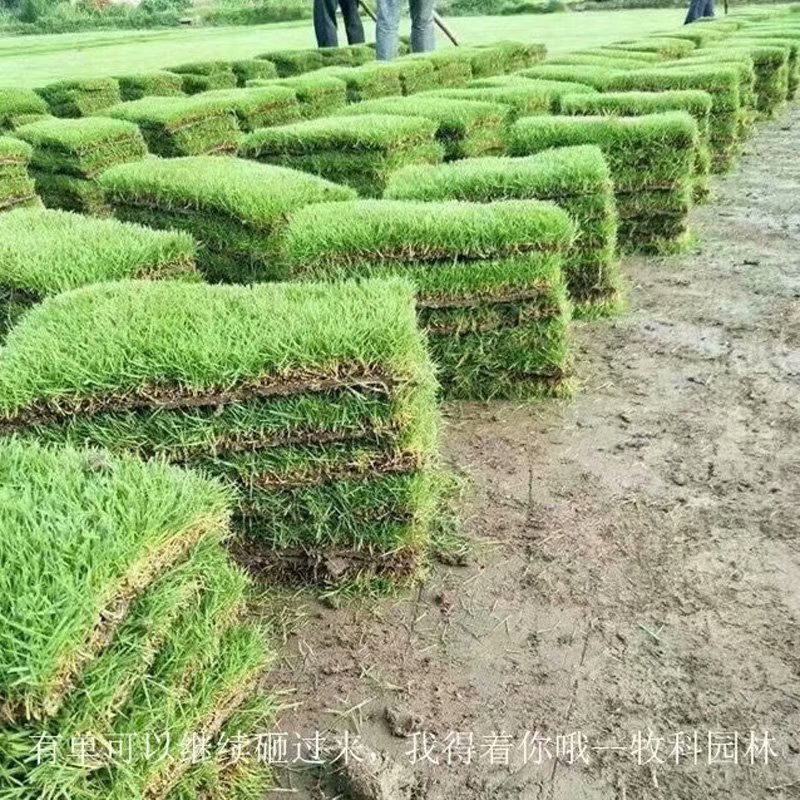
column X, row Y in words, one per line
column 325, row 22
column 423, row 36
column 698, row 9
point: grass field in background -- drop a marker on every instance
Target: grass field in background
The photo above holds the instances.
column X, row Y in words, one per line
column 36, row 60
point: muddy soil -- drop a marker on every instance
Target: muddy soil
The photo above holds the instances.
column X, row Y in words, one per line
column 637, row 580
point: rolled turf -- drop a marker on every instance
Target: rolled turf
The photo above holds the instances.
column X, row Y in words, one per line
column 80, row 98
column 464, row 129
column 16, row 186
column 577, row 179
column 630, row 104
column 43, row 253
column 316, row 402
column 723, row 83
column 126, row 622
column 233, row 207
column 652, row 159
column 147, row 84
column 490, row 289
column 182, row 126
column 359, row 151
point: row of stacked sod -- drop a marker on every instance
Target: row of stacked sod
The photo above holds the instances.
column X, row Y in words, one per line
column 653, row 164
column 358, row 151
column 317, row 402
column 81, row 97
column 43, row 253
column 317, row 94
column 69, row 154
column 122, row 619
column 18, row 106
column 490, row 289
column 577, row 179
column 234, row 208
column 16, row 186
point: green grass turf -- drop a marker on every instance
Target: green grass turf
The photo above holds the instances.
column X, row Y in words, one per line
column 517, row 88
column 464, row 129
column 181, row 126
column 82, row 147
column 359, row 151
column 656, row 151
column 349, row 56
column 233, row 207
column 259, row 107
column 667, row 47
column 694, row 102
column 16, row 186
column 80, row 98
column 519, row 101
column 192, row 83
column 57, row 507
column 577, row 179
column 492, row 271
column 606, row 60
column 318, row 95
column 723, row 83
column 18, row 102
column 46, row 252
column 249, row 69
column 376, row 79
column 448, row 72
column 31, row 61
column 790, row 42
column 137, row 85
column 68, row 193
column 294, row 62
column 599, row 78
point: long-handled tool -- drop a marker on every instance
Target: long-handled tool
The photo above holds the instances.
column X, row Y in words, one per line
column 436, row 18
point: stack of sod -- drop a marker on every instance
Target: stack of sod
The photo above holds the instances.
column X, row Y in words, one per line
column 597, row 77
column 43, row 253
column 701, row 35
column 721, row 82
column 351, row 56
column 514, row 56
column 465, row 128
column 522, row 93
column 19, row 103
column 295, row 62
column 182, row 126
column 16, row 186
column 637, row 56
column 260, row 106
column 69, row 154
column 608, row 60
column 517, row 100
column 376, row 79
column 206, row 75
column 449, row 72
column 122, row 618
column 80, row 98
column 318, row 95
column 771, row 65
column 416, row 75
column 149, row 84
column 490, row 289
column 632, row 104
column 575, row 178
column 781, row 39
column 652, row 160
column 665, row 46
column 234, row 208
column 252, row 69
column 316, row 402
column 360, row 151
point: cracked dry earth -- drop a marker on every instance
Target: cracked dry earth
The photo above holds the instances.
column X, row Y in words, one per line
column 638, row 566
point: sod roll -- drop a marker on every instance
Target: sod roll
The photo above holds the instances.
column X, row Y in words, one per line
column 80, row 98
column 490, row 290
column 182, row 126
column 360, row 151
column 465, row 128
column 316, row 403
column 577, row 179
column 233, row 207
column 16, row 186
column 652, row 160
column 43, row 253
column 127, row 621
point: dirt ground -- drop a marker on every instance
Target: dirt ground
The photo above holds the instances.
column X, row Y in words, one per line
column 638, row 576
